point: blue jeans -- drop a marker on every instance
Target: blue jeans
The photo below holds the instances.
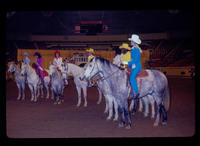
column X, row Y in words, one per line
column 133, row 81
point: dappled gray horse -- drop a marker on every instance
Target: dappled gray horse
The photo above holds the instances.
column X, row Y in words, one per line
column 145, row 100
column 57, row 83
column 116, row 82
column 19, row 79
column 76, row 72
column 34, row 81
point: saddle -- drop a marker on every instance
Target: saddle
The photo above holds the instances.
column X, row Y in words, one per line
column 142, row 73
column 44, row 72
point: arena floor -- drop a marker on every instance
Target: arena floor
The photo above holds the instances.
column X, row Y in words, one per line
column 43, row 119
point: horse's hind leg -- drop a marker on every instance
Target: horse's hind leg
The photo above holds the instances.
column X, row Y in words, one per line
column 85, row 95
column 42, row 93
column 164, row 114
column 140, row 105
column 146, row 106
column 121, row 113
column 158, row 103
column 19, row 91
column 151, row 101
column 110, row 107
column 106, row 108
column 35, row 92
column 100, row 96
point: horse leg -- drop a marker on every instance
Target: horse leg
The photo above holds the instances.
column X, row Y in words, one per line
column 140, row 105
column 31, row 88
column 35, row 92
column 110, row 107
column 47, row 90
column 126, row 113
column 85, row 95
column 23, row 87
column 158, row 103
column 59, row 94
column 19, row 91
column 79, row 96
column 106, row 108
column 121, row 113
column 100, row 96
column 146, row 106
column 52, row 93
column 151, row 101
column 116, row 109
column 164, row 114
column 38, row 91
column 131, row 105
column 136, row 100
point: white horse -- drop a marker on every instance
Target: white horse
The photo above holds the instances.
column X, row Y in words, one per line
column 19, row 79
column 76, row 72
column 57, row 83
column 34, row 81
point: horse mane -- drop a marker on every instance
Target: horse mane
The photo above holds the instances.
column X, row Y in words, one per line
column 106, row 62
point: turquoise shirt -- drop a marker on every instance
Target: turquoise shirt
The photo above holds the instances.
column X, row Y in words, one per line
column 135, row 58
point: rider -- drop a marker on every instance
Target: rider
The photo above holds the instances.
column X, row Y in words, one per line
column 27, row 61
column 126, row 54
column 58, row 63
column 26, row 58
column 90, row 54
column 39, row 65
column 135, row 63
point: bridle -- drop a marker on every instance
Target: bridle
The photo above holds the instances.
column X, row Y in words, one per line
column 99, row 76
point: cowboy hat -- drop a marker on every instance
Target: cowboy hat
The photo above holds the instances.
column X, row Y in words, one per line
column 90, row 50
column 135, row 38
column 125, row 46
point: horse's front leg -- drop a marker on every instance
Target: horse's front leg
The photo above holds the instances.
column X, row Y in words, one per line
column 52, row 93
column 146, row 106
column 100, row 96
column 47, row 90
column 19, row 91
column 85, row 95
column 35, row 93
column 38, row 91
column 23, row 87
column 31, row 88
column 79, row 96
column 110, row 107
column 151, row 100
column 116, row 110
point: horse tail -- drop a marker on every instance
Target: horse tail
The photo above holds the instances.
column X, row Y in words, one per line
column 166, row 98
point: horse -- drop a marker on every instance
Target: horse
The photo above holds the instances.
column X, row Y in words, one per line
column 19, row 79
column 57, row 83
column 76, row 72
column 34, row 81
column 116, row 82
column 145, row 100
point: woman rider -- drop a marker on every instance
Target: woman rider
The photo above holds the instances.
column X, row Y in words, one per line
column 135, row 63
column 58, row 63
column 39, row 65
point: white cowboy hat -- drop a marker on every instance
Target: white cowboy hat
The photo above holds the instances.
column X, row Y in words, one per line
column 135, row 38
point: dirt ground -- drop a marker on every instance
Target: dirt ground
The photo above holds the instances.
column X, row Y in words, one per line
column 43, row 119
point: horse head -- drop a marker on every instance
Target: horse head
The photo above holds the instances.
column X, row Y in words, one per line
column 90, row 69
column 12, row 68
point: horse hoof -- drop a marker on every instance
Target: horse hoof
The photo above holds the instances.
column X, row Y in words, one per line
column 18, row 98
column 115, row 119
column 85, row 105
column 128, row 127
column 145, row 115
column 164, row 123
column 55, row 103
column 155, row 124
column 121, row 125
column 59, row 102
column 152, row 117
column 108, row 118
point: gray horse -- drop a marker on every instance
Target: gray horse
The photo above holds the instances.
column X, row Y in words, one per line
column 57, row 83
column 76, row 71
column 116, row 82
column 19, row 79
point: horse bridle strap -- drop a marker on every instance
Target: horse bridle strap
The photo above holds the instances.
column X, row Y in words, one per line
column 101, row 78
